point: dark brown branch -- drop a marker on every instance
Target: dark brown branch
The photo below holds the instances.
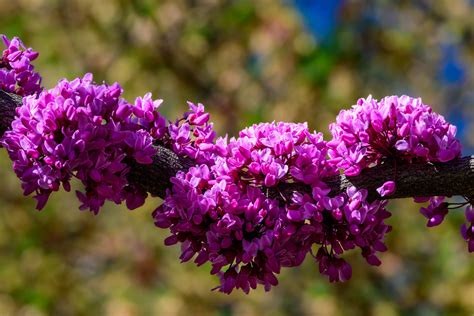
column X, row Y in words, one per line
column 155, row 178
column 8, row 104
column 414, row 180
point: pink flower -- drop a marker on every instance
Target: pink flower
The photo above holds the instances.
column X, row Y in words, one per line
column 387, row 188
column 17, row 74
column 84, row 130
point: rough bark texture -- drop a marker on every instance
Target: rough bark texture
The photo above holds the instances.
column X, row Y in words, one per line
column 8, row 104
column 155, row 178
column 416, row 180
column 412, row 180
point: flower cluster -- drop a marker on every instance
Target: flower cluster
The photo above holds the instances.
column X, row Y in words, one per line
column 436, row 211
column 232, row 213
column 17, row 74
column 192, row 135
column 83, row 130
column 396, row 128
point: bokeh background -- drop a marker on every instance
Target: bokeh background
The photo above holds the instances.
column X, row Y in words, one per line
column 248, row 61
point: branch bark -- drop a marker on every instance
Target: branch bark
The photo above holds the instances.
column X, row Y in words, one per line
column 412, row 180
column 8, row 103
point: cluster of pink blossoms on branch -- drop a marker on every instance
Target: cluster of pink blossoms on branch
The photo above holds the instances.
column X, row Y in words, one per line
column 394, row 130
column 82, row 130
column 221, row 213
column 228, row 209
column 17, row 74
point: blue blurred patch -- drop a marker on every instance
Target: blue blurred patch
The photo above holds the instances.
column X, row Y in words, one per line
column 319, row 16
column 452, row 69
column 452, row 73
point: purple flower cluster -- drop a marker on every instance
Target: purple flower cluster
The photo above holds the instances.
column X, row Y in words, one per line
column 436, row 211
column 232, row 213
column 17, row 74
column 83, row 130
column 192, row 135
column 397, row 128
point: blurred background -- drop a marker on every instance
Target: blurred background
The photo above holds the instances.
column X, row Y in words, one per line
column 247, row 61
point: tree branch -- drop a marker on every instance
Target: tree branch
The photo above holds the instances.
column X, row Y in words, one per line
column 8, row 103
column 412, row 180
